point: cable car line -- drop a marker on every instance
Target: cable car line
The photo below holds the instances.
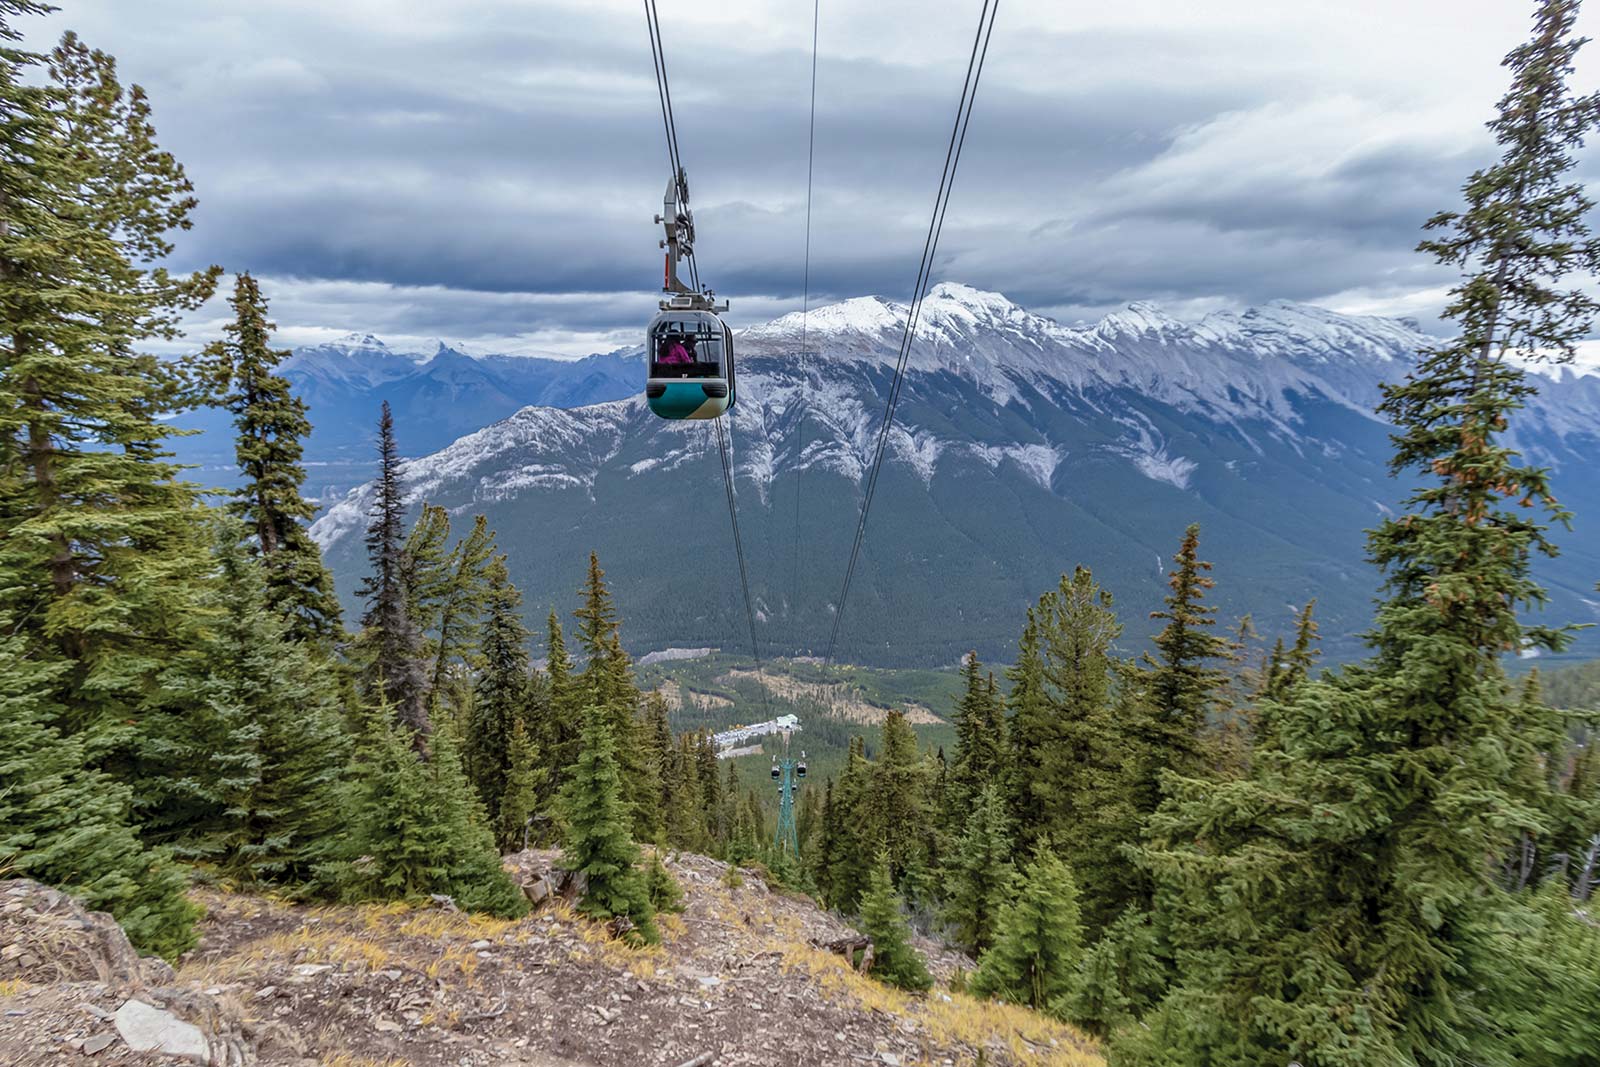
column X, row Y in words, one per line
column 688, row 321
column 958, row 138
column 805, row 312
column 669, row 121
column 725, row 451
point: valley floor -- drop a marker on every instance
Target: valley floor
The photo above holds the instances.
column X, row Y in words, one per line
column 738, row 982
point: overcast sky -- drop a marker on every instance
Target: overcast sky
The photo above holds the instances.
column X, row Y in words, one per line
column 488, row 170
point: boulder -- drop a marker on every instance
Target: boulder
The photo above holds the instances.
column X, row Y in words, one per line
column 147, row 1028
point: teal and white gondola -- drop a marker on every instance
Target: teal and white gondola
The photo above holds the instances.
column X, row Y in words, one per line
column 688, row 348
column 691, row 365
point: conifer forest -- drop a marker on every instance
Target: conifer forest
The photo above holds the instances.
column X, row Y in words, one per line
column 1213, row 847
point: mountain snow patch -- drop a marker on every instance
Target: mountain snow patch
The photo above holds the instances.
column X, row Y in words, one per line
column 1160, row 467
column 1038, row 462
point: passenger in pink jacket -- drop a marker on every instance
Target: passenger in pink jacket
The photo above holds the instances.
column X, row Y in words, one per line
column 674, row 351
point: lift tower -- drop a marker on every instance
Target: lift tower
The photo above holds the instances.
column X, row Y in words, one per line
column 787, row 773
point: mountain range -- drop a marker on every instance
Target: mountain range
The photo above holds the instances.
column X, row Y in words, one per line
column 438, row 395
column 1021, row 448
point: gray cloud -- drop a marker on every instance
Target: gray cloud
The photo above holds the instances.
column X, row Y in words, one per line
column 489, row 168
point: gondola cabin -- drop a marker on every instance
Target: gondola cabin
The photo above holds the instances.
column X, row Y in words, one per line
column 691, row 365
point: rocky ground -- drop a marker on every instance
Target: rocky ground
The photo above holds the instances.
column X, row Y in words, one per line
column 738, row 982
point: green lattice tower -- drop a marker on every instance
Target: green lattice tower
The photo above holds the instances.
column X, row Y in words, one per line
column 784, row 770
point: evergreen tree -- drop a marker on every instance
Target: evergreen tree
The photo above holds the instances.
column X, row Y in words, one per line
column 241, row 744
column 425, row 570
column 657, row 738
column 395, row 675
column 980, row 875
column 980, row 734
column 899, row 797
column 502, row 693
column 415, row 827
column 1542, row 977
column 1067, row 748
column 663, row 890
column 271, row 423
column 711, row 784
column 893, row 959
column 99, row 538
column 1181, row 687
column 455, row 619
column 688, row 822
column 1334, row 908
column 607, row 683
column 520, row 801
column 65, row 824
column 477, row 880
column 821, row 853
column 559, row 731
column 597, row 843
column 1123, row 975
column 1038, row 941
column 856, row 840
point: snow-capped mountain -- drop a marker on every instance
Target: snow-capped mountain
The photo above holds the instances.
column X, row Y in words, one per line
column 1021, row 448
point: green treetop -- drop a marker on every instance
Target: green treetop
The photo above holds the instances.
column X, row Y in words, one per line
column 393, row 647
column 271, row 423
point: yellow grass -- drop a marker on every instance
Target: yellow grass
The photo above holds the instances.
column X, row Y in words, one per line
column 10, row 987
column 1025, row 1034
column 313, row 945
column 431, row 922
column 463, row 960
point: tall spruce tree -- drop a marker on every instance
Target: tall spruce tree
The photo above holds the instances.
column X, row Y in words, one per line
column 271, row 422
column 980, row 736
column 607, row 683
column 1065, row 752
column 99, row 536
column 448, row 594
column 899, row 795
column 241, row 745
column 500, row 706
column 519, row 803
column 557, row 734
column 856, row 838
column 1337, row 906
column 1182, row 683
column 396, row 674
